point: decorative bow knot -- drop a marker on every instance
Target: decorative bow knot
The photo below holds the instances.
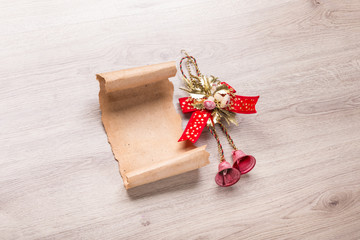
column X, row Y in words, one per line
column 202, row 113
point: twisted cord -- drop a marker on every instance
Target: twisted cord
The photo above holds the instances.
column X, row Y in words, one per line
column 223, row 128
column 220, row 149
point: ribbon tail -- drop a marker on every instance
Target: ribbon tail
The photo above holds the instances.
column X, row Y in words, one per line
column 242, row 104
column 195, row 126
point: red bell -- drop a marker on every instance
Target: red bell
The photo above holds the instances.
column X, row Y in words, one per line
column 227, row 175
column 242, row 162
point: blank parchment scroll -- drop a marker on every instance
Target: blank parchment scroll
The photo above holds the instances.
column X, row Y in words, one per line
column 143, row 127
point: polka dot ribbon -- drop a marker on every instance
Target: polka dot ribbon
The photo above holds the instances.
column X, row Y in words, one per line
column 199, row 118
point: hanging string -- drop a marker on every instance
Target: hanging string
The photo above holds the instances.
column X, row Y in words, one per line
column 191, row 61
column 220, row 149
column 223, row 128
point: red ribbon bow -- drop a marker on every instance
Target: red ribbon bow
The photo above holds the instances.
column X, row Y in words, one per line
column 199, row 118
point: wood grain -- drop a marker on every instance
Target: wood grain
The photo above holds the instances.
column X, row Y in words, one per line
column 58, row 177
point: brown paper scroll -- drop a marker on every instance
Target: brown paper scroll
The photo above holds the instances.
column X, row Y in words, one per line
column 143, row 127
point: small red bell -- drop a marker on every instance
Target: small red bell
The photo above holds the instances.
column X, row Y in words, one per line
column 242, row 162
column 227, row 175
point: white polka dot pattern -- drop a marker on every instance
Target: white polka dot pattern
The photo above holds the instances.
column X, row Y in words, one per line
column 195, row 126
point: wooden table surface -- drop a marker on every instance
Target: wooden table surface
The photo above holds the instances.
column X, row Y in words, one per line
column 58, row 177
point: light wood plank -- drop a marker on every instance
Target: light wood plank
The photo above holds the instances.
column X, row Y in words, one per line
column 57, row 174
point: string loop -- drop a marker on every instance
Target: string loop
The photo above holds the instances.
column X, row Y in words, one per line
column 190, row 61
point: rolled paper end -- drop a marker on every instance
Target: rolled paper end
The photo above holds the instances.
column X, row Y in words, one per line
column 242, row 162
column 227, row 176
column 135, row 77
